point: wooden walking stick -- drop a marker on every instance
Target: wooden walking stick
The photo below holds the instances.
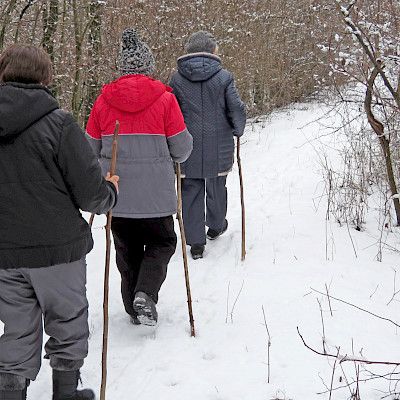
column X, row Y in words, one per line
column 239, row 161
column 107, row 273
column 91, row 219
column 184, row 252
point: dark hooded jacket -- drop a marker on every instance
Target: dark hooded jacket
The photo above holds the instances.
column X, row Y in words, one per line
column 213, row 113
column 49, row 172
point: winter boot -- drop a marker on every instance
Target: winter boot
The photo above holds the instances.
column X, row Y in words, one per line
column 145, row 307
column 12, row 387
column 212, row 234
column 197, row 251
column 134, row 319
column 65, row 385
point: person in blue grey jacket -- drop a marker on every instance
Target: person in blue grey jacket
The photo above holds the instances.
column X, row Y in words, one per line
column 214, row 114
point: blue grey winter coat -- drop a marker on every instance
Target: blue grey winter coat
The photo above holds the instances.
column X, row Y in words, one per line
column 213, row 113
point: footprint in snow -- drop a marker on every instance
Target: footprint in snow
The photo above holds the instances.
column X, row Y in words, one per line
column 209, row 356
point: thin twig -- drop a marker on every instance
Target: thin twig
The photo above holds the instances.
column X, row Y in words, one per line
column 323, row 327
column 329, row 299
column 227, row 302
column 269, row 345
column 351, row 239
column 372, row 294
column 235, row 302
column 395, row 292
column 333, row 373
column 358, row 308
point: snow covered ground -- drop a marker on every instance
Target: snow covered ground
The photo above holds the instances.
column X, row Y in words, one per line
column 286, row 236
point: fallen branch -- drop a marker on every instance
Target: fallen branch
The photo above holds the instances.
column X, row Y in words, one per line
column 344, row 358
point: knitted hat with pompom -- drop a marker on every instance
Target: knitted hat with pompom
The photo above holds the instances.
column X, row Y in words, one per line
column 135, row 56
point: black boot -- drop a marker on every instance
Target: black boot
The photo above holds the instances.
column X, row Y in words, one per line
column 145, row 308
column 65, row 385
column 213, row 234
column 12, row 387
column 134, row 318
column 197, row 250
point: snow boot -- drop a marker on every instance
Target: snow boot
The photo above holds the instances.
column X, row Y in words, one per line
column 212, row 234
column 197, row 251
column 145, row 307
column 65, row 385
column 12, row 387
column 134, row 319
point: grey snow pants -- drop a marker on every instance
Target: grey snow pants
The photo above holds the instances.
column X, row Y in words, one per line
column 54, row 296
column 198, row 195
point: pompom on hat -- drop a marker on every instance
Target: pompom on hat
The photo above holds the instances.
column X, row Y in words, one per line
column 135, row 56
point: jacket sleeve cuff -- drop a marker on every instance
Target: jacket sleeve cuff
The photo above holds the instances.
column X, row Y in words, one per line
column 114, row 191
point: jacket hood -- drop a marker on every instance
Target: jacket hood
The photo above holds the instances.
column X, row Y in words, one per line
column 199, row 67
column 133, row 93
column 21, row 105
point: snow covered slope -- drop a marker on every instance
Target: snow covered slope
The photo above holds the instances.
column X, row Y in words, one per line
column 286, row 257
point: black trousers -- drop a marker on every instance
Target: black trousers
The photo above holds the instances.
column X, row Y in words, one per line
column 144, row 248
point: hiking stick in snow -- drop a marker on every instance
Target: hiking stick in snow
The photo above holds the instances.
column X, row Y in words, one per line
column 184, row 252
column 239, row 162
column 107, row 272
column 91, row 219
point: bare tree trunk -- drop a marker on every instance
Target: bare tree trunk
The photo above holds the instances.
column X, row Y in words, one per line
column 21, row 16
column 35, row 23
column 379, row 129
column 94, row 53
column 50, row 20
column 6, row 21
column 78, row 55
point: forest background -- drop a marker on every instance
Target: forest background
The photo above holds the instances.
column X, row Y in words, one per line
column 280, row 52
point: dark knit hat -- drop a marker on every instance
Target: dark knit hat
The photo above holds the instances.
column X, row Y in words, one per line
column 135, row 56
column 201, row 42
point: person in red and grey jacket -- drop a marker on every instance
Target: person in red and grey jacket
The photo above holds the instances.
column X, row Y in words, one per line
column 152, row 135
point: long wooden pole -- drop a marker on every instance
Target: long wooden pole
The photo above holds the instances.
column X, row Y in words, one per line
column 91, row 220
column 239, row 162
column 184, row 252
column 107, row 273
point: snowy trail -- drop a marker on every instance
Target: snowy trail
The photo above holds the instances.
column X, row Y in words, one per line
column 286, row 256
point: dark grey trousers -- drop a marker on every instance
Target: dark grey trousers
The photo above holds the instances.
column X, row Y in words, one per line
column 54, row 296
column 199, row 195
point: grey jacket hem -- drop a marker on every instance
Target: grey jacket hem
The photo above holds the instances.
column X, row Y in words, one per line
column 141, row 216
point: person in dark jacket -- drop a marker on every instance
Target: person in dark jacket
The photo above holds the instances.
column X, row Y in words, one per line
column 214, row 114
column 152, row 135
column 49, row 172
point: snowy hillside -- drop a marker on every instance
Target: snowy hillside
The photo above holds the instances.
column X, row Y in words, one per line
column 286, row 258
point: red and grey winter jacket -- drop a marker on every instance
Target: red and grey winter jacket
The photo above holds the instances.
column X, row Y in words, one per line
column 152, row 135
